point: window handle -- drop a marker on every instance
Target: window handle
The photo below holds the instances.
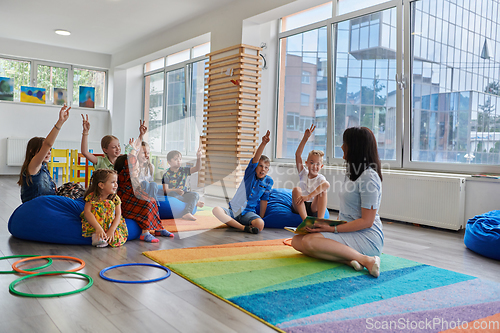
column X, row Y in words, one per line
column 401, row 81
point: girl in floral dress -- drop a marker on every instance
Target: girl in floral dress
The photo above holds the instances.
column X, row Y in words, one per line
column 102, row 216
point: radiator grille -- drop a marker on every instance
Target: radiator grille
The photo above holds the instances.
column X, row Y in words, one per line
column 428, row 200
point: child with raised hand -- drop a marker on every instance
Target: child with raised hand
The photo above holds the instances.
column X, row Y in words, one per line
column 34, row 178
column 310, row 197
column 110, row 146
column 174, row 182
column 255, row 189
column 102, row 216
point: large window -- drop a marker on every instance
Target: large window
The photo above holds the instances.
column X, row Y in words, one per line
column 153, row 103
column 174, row 101
column 303, row 90
column 423, row 75
column 17, row 70
column 64, row 78
column 455, row 82
column 365, row 86
column 50, row 77
column 89, row 78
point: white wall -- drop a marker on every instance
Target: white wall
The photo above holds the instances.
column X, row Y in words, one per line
column 127, row 103
column 35, row 51
column 224, row 25
column 481, row 196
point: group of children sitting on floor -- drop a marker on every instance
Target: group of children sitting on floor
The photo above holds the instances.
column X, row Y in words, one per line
column 123, row 186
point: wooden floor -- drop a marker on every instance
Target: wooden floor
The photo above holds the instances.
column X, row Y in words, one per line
column 174, row 304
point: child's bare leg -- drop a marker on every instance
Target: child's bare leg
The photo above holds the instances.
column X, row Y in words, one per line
column 301, row 208
column 258, row 223
column 224, row 218
column 319, row 204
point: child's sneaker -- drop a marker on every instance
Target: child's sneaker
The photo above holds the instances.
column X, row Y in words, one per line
column 163, row 233
column 97, row 242
column 251, row 230
column 147, row 237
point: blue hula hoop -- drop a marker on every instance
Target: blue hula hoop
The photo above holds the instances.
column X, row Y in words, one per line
column 101, row 274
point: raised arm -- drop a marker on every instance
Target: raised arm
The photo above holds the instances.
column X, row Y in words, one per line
column 37, row 160
column 298, row 153
column 142, row 131
column 134, row 146
column 85, row 137
column 258, row 153
column 197, row 166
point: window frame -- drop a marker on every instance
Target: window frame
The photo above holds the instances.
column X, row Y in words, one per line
column 106, row 85
column 33, row 79
column 417, row 165
column 403, row 98
column 331, row 25
column 187, row 65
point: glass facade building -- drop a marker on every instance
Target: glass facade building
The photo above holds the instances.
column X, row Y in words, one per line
column 454, row 81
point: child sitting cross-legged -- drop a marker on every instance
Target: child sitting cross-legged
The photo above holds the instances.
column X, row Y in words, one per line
column 309, row 198
column 174, row 182
column 102, row 216
column 254, row 190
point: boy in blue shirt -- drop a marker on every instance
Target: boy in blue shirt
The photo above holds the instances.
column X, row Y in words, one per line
column 256, row 187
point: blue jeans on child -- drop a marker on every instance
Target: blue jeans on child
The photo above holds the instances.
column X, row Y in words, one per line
column 151, row 188
column 245, row 219
column 189, row 198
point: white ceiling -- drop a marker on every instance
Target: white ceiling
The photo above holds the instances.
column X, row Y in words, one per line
column 103, row 26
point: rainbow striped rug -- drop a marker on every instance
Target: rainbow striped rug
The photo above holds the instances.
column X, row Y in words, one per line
column 295, row 293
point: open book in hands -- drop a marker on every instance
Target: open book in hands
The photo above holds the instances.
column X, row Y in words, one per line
column 310, row 221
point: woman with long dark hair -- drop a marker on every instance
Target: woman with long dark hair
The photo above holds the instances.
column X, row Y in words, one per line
column 357, row 243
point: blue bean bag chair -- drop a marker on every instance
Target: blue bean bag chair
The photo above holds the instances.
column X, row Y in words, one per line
column 55, row 219
column 170, row 207
column 482, row 234
column 279, row 210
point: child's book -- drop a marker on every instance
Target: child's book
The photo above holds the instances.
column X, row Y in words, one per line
column 309, row 221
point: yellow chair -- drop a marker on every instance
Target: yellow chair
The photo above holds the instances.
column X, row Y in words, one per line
column 80, row 164
column 76, row 167
column 61, row 153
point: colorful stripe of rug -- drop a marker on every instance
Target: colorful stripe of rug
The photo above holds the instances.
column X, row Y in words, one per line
column 295, row 293
column 204, row 220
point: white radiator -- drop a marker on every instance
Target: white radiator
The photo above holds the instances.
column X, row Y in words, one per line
column 16, row 149
column 426, row 199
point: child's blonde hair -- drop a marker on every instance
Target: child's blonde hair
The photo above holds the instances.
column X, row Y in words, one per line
column 100, row 176
column 316, row 152
column 148, row 163
column 33, row 147
column 106, row 140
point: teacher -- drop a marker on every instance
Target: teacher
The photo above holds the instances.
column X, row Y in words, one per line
column 357, row 243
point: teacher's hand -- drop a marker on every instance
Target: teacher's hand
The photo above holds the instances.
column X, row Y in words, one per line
column 319, row 227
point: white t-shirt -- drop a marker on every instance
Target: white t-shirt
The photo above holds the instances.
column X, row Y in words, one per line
column 308, row 185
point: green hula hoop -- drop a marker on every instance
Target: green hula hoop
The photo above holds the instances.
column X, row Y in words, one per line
column 15, row 292
column 28, row 269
